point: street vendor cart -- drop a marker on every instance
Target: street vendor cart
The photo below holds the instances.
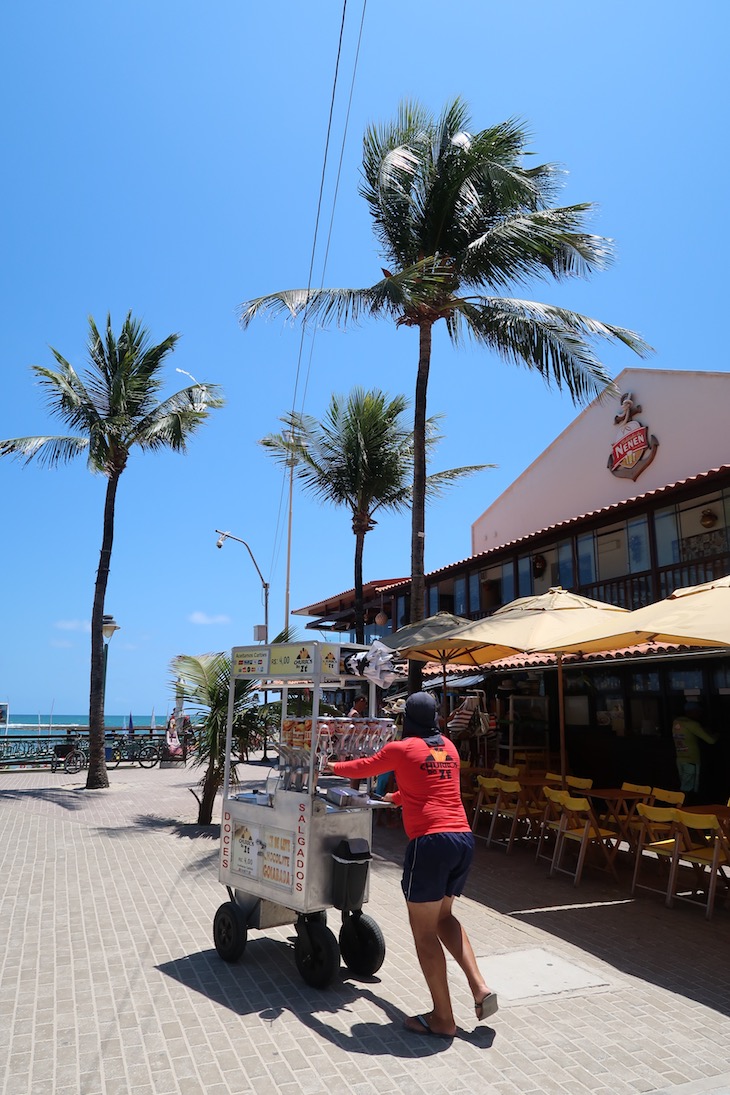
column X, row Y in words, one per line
column 292, row 851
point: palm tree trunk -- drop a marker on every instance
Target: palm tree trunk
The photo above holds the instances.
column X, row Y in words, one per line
column 359, row 606
column 211, row 785
column 97, row 776
column 418, row 514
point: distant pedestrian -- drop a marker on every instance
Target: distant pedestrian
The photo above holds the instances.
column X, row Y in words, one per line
column 687, row 732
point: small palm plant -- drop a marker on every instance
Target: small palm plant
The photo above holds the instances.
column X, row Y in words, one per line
column 202, row 681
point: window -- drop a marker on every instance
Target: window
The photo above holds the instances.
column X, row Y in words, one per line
column 460, row 607
column 401, row 612
column 565, row 564
column 611, row 552
column 667, row 538
column 475, row 603
column 586, row 550
column 432, row 597
column 508, row 583
column 524, row 576
column 638, row 539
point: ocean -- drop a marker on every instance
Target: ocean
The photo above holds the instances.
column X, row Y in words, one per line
column 56, row 724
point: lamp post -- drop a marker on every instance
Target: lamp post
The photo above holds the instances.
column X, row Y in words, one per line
column 108, row 626
column 222, row 537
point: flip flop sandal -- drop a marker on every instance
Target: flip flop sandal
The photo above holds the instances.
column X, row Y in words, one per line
column 424, row 1028
column 486, row 1007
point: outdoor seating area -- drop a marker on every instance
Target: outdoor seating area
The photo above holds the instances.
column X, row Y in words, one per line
column 641, row 836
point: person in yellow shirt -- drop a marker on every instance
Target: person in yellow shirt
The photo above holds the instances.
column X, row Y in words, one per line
column 687, row 732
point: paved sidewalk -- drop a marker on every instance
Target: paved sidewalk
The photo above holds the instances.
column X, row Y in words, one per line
column 110, row 983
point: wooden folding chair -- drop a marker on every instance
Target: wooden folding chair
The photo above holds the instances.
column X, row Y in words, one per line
column 553, row 799
column 578, row 783
column 579, row 825
column 660, row 797
column 657, row 797
column 701, row 842
column 505, row 771
column 487, row 791
column 656, row 839
column 513, row 805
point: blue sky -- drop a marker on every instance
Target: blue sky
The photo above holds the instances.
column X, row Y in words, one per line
column 166, row 158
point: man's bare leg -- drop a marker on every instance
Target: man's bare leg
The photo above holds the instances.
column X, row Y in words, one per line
column 424, row 918
column 456, row 941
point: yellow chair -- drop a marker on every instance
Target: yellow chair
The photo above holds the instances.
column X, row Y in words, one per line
column 553, row 799
column 578, row 783
column 657, row 797
column 666, row 798
column 514, row 806
column 701, row 842
column 487, row 791
column 506, row 771
column 579, row 825
column 656, row 838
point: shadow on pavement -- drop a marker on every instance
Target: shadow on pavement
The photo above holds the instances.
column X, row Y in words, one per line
column 261, row 984
column 68, row 798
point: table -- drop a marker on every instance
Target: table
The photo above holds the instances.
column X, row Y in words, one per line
column 620, row 807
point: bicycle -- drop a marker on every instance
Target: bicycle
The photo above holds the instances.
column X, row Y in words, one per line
column 72, row 756
column 127, row 748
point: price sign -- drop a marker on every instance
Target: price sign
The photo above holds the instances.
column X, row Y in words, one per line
column 250, row 661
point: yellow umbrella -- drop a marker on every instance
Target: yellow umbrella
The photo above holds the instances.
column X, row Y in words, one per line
column 693, row 616
column 532, row 623
column 425, row 642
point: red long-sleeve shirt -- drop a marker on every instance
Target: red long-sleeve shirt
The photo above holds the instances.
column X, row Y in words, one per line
column 428, row 783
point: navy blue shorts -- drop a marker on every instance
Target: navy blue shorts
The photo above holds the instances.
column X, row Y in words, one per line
column 436, row 866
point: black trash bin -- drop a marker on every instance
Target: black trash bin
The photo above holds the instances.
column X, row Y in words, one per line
column 351, row 860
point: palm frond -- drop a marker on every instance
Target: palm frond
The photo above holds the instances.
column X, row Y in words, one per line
column 531, row 245
column 553, row 341
column 439, row 481
column 49, row 451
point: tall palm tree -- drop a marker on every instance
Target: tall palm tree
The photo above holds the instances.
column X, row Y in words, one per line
column 359, row 456
column 457, row 215
column 113, row 407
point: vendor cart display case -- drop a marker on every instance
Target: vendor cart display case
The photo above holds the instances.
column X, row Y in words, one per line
column 292, row 851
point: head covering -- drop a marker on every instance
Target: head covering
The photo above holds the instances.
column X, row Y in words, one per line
column 421, row 715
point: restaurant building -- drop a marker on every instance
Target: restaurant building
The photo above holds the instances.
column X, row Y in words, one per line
column 628, row 503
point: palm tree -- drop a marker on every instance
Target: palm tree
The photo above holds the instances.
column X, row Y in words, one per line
column 113, row 407
column 359, row 456
column 457, row 215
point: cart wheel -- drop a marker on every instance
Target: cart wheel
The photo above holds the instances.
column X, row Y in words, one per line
column 230, row 932
column 115, row 759
column 148, row 756
column 362, row 945
column 316, row 953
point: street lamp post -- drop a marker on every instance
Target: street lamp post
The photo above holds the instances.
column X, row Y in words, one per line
column 222, row 537
column 108, row 626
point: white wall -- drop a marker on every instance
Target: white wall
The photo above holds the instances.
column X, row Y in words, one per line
column 688, row 413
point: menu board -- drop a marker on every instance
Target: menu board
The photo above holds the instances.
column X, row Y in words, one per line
column 263, row 853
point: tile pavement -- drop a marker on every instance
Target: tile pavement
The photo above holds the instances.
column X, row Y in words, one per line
column 110, row 985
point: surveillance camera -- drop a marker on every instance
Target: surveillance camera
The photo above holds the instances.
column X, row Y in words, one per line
column 219, row 543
